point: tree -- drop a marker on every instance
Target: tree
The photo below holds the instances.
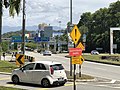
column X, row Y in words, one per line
column 98, row 24
column 5, row 46
column 14, row 8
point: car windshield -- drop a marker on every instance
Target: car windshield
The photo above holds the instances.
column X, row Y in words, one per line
column 47, row 51
column 94, row 51
column 57, row 67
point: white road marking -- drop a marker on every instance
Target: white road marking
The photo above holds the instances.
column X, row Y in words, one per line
column 113, row 81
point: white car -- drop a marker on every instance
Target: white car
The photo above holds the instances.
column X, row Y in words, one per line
column 48, row 53
column 45, row 73
column 94, row 52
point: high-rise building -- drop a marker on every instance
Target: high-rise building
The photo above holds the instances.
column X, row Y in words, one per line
column 44, row 30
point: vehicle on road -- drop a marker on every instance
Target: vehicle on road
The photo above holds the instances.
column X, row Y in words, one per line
column 45, row 73
column 47, row 53
column 94, row 52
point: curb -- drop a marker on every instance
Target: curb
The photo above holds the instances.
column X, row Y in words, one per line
column 102, row 62
column 84, row 80
column 5, row 73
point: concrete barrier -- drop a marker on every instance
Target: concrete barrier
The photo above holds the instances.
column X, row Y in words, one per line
column 29, row 58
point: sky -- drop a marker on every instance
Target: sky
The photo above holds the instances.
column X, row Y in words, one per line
column 53, row 12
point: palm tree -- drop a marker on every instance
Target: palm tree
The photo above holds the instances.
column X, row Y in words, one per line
column 14, row 7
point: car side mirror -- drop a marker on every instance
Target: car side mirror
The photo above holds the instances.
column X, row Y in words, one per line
column 22, row 69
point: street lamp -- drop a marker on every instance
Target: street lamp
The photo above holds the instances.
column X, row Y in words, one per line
column 59, row 48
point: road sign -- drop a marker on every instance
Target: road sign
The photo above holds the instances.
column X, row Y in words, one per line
column 80, row 46
column 20, row 59
column 75, row 51
column 75, row 34
column 41, row 39
column 77, row 60
column 18, row 39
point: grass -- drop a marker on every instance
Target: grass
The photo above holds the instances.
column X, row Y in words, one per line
column 97, row 58
column 9, row 88
column 6, row 66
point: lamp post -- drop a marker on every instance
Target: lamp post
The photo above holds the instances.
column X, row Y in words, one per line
column 60, row 46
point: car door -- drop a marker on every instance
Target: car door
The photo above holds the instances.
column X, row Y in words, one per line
column 27, row 72
column 39, row 72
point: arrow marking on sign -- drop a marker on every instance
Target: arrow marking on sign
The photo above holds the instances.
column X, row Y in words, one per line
column 19, row 59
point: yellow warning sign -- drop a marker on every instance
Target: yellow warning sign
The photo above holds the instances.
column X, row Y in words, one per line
column 75, row 34
column 77, row 60
column 80, row 45
column 20, row 59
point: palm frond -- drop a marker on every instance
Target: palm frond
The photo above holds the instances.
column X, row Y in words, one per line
column 14, row 7
column 17, row 6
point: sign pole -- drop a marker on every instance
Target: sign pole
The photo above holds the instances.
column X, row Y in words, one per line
column 79, row 70
column 74, row 76
column 70, row 66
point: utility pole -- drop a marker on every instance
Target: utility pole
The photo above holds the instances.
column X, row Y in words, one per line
column 0, row 27
column 70, row 12
column 23, row 28
column 68, row 32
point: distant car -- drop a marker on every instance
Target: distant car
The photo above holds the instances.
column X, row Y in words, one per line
column 47, row 53
column 45, row 73
column 94, row 52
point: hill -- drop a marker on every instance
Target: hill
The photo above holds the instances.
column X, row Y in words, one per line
column 15, row 33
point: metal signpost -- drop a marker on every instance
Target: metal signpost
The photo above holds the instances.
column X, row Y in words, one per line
column 76, row 52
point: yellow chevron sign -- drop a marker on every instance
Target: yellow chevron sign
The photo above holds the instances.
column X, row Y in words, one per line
column 80, row 45
column 77, row 60
column 20, row 59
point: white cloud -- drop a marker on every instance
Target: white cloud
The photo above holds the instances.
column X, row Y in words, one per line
column 52, row 11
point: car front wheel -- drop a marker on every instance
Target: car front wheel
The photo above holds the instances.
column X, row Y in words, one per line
column 15, row 79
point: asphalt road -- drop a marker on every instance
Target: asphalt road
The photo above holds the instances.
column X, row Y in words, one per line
column 110, row 73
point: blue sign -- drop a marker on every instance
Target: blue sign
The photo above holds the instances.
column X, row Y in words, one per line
column 18, row 39
column 41, row 39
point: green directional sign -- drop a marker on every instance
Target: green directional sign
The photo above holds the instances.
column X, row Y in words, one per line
column 18, row 39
